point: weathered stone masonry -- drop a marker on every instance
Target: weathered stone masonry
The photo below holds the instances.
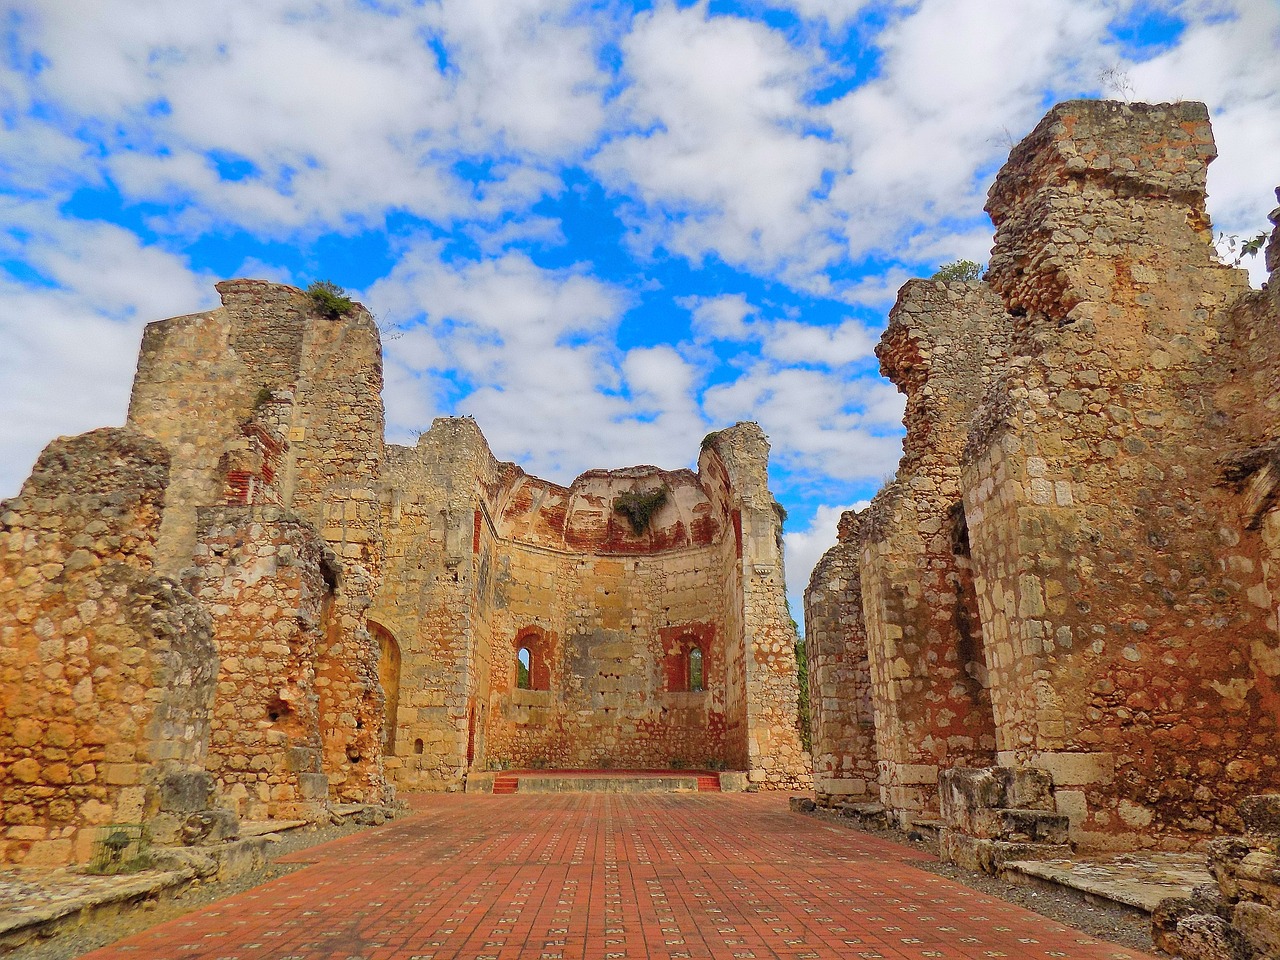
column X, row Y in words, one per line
column 1112, row 441
column 106, row 668
column 244, row 600
column 483, row 560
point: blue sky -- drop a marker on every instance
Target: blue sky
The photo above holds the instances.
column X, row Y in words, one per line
column 603, row 229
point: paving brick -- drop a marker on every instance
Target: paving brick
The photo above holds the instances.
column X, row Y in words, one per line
column 610, row 877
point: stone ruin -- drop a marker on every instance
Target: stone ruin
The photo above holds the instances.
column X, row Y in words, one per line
column 1058, row 622
column 245, row 604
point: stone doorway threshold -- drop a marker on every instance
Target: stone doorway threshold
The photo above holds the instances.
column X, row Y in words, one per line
column 1136, row 880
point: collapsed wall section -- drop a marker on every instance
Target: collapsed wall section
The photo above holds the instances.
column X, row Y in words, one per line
column 269, row 402
column 845, row 762
column 1130, row 630
column 269, row 583
column 944, row 345
column 106, row 669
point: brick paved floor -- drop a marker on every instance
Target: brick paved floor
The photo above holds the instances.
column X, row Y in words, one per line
column 600, row 876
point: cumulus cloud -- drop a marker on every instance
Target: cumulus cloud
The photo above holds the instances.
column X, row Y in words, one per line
column 805, row 547
column 71, row 333
column 532, row 355
column 724, row 152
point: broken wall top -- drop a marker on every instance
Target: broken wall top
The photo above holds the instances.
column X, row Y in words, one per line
column 1068, row 191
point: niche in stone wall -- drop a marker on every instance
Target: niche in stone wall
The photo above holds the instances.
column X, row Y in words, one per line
column 389, row 677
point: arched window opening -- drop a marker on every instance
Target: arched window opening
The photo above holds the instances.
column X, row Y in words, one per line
column 532, row 660
column 696, row 681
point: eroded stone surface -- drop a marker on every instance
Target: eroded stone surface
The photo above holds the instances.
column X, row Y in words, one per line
column 1102, row 450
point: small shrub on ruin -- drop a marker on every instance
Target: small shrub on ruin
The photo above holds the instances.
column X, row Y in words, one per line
column 329, row 299
column 964, row 270
column 639, row 506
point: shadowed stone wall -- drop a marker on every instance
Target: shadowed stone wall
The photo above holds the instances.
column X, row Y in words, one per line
column 106, row 669
column 1113, row 439
column 845, row 762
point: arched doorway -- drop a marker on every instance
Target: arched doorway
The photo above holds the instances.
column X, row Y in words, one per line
column 389, row 677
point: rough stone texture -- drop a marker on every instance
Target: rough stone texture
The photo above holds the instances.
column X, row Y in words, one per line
column 106, row 669
column 265, row 577
column 483, row 560
column 943, row 347
column 264, row 403
column 1119, row 586
column 1120, row 489
column 995, row 815
column 845, row 762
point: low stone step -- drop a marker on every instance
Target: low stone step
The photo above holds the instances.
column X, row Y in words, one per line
column 606, row 784
column 1032, row 826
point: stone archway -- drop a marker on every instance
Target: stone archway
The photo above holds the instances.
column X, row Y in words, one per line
column 389, row 677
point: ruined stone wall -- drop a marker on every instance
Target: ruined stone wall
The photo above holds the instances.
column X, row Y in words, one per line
column 845, row 761
column 266, row 402
column 483, row 559
column 106, row 669
column 845, row 764
column 1129, row 628
column 775, row 757
column 614, row 615
column 267, row 580
column 431, row 498
column 944, row 345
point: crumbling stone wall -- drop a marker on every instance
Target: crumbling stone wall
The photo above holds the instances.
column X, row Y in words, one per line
column 613, row 615
column 269, row 583
column 482, row 559
column 944, row 345
column 106, row 669
column 1125, row 602
column 845, row 762
column 1118, row 485
column 430, row 503
column 265, row 401
column 1237, row 917
column 767, row 642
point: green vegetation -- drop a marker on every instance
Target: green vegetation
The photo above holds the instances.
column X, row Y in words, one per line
column 959, row 270
column 639, row 506
column 1239, row 248
column 802, row 695
column 329, row 299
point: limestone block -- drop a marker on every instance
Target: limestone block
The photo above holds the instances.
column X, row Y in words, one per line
column 1202, row 937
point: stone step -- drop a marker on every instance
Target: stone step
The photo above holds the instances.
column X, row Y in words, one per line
column 606, row 781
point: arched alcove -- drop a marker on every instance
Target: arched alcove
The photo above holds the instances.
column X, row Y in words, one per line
column 389, row 677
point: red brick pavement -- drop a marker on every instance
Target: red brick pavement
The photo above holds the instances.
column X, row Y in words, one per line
column 609, row 877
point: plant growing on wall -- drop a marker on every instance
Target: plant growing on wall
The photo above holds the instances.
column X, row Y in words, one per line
column 639, row 506
column 959, row 270
column 329, row 299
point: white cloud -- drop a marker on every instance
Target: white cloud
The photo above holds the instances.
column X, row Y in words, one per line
column 724, row 317
column 330, row 111
column 534, row 353
column 819, row 422
column 726, row 155
column 804, row 548
column 71, row 341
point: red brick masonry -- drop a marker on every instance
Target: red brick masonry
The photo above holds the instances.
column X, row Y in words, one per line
column 596, row 876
